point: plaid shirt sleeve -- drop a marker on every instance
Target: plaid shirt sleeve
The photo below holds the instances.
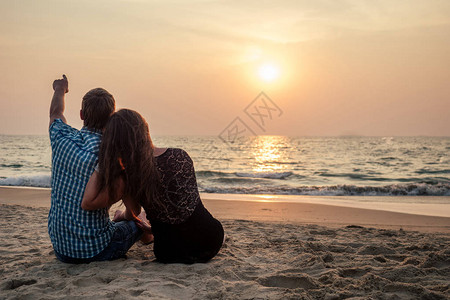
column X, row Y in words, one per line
column 58, row 129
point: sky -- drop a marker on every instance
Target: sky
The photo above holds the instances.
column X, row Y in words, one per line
column 329, row 67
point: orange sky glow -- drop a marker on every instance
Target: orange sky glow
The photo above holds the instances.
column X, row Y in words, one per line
column 190, row 67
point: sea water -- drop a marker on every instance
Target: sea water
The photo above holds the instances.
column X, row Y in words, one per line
column 278, row 165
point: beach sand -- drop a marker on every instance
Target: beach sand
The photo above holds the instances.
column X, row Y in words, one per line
column 272, row 251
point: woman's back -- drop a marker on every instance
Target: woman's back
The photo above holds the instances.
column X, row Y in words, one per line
column 178, row 192
column 183, row 228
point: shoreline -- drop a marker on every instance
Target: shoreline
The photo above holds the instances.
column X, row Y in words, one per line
column 319, row 210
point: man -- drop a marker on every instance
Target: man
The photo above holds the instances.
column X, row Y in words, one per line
column 80, row 236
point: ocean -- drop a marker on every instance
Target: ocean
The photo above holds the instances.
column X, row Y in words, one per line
column 277, row 165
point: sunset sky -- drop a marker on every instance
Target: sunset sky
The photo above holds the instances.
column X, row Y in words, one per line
column 191, row 67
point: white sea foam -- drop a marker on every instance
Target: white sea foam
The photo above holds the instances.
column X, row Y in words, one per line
column 34, row 181
column 420, row 189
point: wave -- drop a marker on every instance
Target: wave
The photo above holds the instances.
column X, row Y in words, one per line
column 266, row 175
column 270, row 175
column 428, row 171
column 238, row 180
column 12, row 166
column 212, row 174
column 408, row 189
column 32, row 181
column 355, row 176
column 368, row 177
column 420, row 189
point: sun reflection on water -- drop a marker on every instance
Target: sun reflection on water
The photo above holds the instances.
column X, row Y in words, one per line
column 270, row 154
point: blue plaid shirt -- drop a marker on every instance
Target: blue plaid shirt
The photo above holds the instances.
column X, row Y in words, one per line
column 74, row 232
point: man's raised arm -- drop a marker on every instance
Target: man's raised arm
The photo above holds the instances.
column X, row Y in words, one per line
column 60, row 87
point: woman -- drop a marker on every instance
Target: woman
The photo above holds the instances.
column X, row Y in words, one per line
column 163, row 182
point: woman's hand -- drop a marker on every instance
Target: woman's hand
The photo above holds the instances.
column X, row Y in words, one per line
column 140, row 220
column 144, row 225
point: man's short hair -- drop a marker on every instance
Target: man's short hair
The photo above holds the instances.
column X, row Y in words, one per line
column 97, row 106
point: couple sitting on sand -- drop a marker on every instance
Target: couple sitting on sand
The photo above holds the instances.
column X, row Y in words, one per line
column 112, row 158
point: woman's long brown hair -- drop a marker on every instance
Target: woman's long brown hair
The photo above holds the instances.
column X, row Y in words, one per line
column 127, row 150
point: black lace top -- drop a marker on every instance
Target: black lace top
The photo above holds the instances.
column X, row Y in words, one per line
column 179, row 188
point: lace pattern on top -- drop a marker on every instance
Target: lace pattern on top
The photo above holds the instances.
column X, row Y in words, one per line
column 179, row 187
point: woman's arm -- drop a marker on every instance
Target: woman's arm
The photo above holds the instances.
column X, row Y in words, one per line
column 132, row 209
column 95, row 199
column 133, row 212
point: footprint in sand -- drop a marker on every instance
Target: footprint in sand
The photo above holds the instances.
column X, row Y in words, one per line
column 91, row 281
column 15, row 283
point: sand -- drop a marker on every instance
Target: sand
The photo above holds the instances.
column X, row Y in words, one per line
column 272, row 251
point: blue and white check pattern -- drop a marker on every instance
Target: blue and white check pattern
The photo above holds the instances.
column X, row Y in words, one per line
column 74, row 232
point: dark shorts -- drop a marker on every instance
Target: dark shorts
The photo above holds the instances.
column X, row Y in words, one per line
column 125, row 235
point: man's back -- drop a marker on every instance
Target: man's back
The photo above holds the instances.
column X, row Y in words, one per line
column 74, row 232
column 77, row 235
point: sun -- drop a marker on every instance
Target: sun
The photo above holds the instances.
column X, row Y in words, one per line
column 269, row 72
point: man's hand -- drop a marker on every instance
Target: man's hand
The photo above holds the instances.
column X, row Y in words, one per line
column 60, row 87
column 61, row 84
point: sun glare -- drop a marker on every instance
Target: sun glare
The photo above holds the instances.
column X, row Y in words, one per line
column 268, row 72
column 269, row 153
